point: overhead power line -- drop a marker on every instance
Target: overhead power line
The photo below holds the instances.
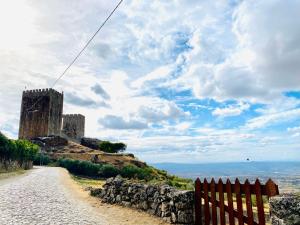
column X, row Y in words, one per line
column 87, row 44
column 81, row 51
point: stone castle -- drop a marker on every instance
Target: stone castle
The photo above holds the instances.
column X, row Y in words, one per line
column 42, row 115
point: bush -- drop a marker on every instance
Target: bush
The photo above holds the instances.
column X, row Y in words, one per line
column 108, row 170
column 20, row 150
column 136, row 172
column 41, row 159
column 80, row 167
column 25, row 150
column 109, row 147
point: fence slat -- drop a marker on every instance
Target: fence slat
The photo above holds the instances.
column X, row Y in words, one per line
column 230, row 202
column 198, row 202
column 248, row 203
column 212, row 206
column 239, row 202
column 206, row 203
column 259, row 203
column 221, row 200
column 213, row 202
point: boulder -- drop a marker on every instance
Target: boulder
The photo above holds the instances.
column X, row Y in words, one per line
column 50, row 141
column 91, row 142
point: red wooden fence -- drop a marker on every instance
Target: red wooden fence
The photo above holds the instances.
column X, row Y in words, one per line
column 219, row 203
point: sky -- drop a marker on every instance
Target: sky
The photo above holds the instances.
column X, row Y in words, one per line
column 186, row 81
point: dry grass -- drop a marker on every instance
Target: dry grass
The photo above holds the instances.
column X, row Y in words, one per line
column 5, row 175
column 79, row 152
column 88, row 182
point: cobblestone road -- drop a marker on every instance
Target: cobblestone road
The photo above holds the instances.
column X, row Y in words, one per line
column 40, row 197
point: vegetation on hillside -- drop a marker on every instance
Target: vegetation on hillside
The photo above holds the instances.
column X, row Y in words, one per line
column 105, row 146
column 42, row 159
column 110, row 147
column 16, row 150
column 148, row 174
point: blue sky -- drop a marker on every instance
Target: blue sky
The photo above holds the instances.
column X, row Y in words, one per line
column 178, row 81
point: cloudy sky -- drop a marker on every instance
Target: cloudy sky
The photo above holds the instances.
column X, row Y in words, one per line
column 177, row 80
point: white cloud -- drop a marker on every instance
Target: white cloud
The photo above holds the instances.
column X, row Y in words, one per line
column 231, row 110
column 156, row 75
column 242, row 52
column 261, row 66
column 161, row 112
column 271, row 119
column 118, row 123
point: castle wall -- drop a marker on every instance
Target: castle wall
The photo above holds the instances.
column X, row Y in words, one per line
column 41, row 113
column 73, row 126
column 56, row 112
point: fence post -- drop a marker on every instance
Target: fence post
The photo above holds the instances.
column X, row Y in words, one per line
column 239, row 202
column 259, row 204
column 206, row 203
column 230, row 202
column 198, row 202
column 248, row 202
column 221, row 200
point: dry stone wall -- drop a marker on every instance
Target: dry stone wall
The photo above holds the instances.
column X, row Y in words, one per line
column 285, row 209
column 170, row 204
column 7, row 166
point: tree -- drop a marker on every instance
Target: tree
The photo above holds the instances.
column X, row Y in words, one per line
column 109, row 147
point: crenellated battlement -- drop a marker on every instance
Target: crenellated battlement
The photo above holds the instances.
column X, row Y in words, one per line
column 43, row 92
column 41, row 115
column 73, row 116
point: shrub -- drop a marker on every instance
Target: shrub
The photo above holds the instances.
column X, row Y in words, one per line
column 136, row 172
column 109, row 147
column 80, row 167
column 41, row 159
column 108, row 170
column 20, row 150
column 25, row 150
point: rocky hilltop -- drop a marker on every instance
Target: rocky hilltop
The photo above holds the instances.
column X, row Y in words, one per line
column 57, row 147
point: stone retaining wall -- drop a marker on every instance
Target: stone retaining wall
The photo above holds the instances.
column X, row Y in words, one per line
column 170, row 204
column 285, row 209
column 8, row 166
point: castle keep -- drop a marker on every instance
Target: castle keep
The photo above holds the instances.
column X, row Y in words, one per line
column 73, row 126
column 42, row 115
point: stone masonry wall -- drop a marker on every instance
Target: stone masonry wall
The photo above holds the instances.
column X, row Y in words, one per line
column 41, row 113
column 8, row 166
column 285, row 209
column 172, row 205
column 73, row 126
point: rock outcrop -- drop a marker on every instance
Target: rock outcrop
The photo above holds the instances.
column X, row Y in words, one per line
column 50, row 141
column 285, row 209
column 92, row 143
column 170, row 204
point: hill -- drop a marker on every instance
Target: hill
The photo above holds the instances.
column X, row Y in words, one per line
column 57, row 147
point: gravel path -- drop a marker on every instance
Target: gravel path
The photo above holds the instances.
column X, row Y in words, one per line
column 40, row 197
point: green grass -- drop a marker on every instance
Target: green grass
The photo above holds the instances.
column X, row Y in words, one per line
column 148, row 174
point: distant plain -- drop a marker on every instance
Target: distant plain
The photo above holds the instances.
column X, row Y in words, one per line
column 285, row 174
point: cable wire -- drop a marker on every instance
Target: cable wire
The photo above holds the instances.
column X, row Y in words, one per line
column 80, row 52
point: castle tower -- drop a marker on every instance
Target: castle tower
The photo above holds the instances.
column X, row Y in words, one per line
column 41, row 113
column 73, row 126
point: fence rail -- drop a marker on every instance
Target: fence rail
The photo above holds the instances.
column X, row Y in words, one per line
column 226, row 203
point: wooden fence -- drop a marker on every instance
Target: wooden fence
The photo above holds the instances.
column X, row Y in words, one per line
column 219, row 203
